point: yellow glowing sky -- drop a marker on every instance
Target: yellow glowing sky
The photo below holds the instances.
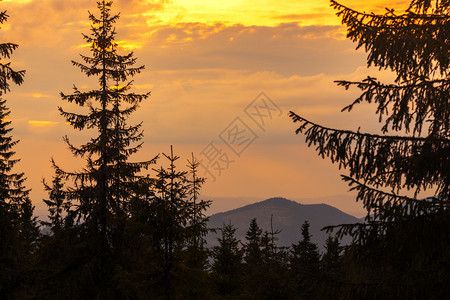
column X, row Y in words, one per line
column 257, row 12
column 205, row 62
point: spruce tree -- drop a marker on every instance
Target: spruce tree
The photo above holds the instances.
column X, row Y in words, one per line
column 227, row 268
column 57, row 205
column 18, row 226
column 273, row 276
column 56, row 255
column 197, row 223
column 253, row 255
column 168, row 220
column 305, row 254
column 100, row 193
column 327, row 284
column 400, row 248
column 269, row 248
column 252, row 247
column 304, row 266
column 331, row 259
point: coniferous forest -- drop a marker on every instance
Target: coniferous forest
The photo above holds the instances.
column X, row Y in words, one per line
column 121, row 229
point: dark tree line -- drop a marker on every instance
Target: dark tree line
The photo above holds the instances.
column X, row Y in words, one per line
column 258, row 268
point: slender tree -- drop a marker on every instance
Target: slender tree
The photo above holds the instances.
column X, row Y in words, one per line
column 252, row 247
column 403, row 235
column 269, row 248
column 169, row 224
column 227, row 265
column 57, row 204
column 331, row 259
column 55, row 255
column 304, row 265
column 171, row 217
column 253, row 263
column 197, row 255
column 100, row 193
column 273, row 276
column 305, row 254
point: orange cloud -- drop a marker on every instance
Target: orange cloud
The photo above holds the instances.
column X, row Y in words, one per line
column 129, row 45
column 39, row 95
column 18, row 1
column 42, row 123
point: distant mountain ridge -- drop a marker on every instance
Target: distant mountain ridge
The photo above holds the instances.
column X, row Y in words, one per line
column 288, row 216
column 344, row 202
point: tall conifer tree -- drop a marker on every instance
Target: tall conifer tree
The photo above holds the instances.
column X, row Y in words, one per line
column 253, row 257
column 105, row 185
column 18, row 228
column 305, row 254
column 100, row 193
column 252, row 247
column 227, row 264
column 405, row 237
column 197, row 223
column 57, row 204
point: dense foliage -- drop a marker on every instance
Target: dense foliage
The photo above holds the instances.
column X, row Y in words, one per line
column 401, row 250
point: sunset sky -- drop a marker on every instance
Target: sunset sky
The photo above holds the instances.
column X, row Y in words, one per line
column 206, row 61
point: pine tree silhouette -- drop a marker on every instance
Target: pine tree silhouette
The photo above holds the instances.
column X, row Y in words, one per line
column 253, row 257
column 18, row 226
column 331, row 259
column 57, row 204
column 403, row 235
column 105, row 185
column 100, row 193
column 305, row 254
column 227, row 268
column 197, row 224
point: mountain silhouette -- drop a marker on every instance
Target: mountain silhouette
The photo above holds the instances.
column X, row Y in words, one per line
column 287, row 216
